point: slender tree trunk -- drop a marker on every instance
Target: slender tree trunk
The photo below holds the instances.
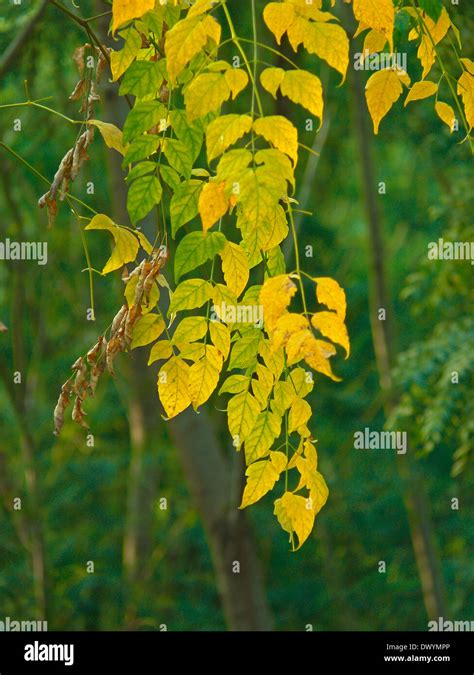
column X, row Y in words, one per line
column 416, row 500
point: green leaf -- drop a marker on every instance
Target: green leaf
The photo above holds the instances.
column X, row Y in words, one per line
column 244, row 352
column 190, row 294
column 143, row 194
column 170, row 176
column 432, row 7
column 190, row 133
column 140, row 148
column 178, row 156
column 142, row 78
column 235, row 384
column 195, row 249
column 143, row 117
column 139, row 170
column 190, row 329
column 185, row 204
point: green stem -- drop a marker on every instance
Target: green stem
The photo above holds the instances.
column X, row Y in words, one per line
column 297, row 258
column 88, row 258
column 43, row 107
column 236, row 41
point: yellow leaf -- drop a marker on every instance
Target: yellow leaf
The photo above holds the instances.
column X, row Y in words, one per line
column 111, row 134
column 262, row 386
column 421, row 90
column 314, row 481
column 147, row 329
column 190, row 329
column 161, row 350
column 242, row 411
column 382, row 90
column 206, row 93
column 266, row 427
column 377, row 14
column 466, row 91
column 300, row 412
column 186, row 39
column 329, row 293
column 204, row 377
column 126, row 244
column 124, row 10
column 278, row 16
column 374, row 42
column 330, row 42
column 199, row 7
column 280, row 132
column 446, row 114
column 426, row 54
column 271, row 78
column 275, row 297
column 235, row 267
column 295, row 516
column 220, row 336
column 333, row 327
column 315, row 352
column 173, row 386
column 121, row 60
column 261, row 478
column 213, row 204
column 286, row 326
column 236, row 79
column 225, row 131
column 305, row 89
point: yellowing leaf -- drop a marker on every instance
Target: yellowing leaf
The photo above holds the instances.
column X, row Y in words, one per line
column 173, row 383
column 126, row 244
column 213, row 204
column 225, row 131
column 333, row 327
column 147, row 329
column 161, row 350
column 190, row 294
column 382, row 90
column 265, row 429
column 186, row 39
column 466, row 91
column 235, row 267
column 206, row 93
column 377, row 14
column 220, row 336
column 204, row 377
column 421, row 90
column 124, row 10
column 295, row 516
column 374, row 42
column 275, row 297
column 236, row 79
column 316, row 353
column 261, row 477
column 329, row 293
column 446, row 114
column 111, row 134
column 190, row 329
column 280, row 132
column 121, row 60
column 278, row 16
column 300, row 412
column 242, row 411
